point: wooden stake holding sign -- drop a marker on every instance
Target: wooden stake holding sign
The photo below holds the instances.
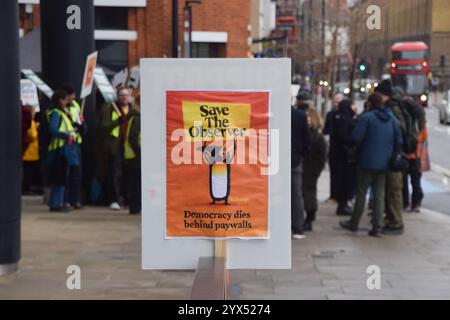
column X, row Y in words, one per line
column 220, row 252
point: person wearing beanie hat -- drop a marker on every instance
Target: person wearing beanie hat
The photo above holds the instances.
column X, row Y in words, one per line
column 303, row 96
column 385, row 89
column 394, row 180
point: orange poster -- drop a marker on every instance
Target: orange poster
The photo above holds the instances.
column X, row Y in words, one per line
column 217, row 148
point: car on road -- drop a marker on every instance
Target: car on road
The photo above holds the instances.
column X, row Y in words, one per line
column 444, row 109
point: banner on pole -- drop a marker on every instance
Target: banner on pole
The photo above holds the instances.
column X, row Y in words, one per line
column 88, row 78
column 28, row 94
column 104, row 86
column 217, row 146
column 41, row 85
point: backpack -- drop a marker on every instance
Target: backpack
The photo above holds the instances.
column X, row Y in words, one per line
column 411, row 131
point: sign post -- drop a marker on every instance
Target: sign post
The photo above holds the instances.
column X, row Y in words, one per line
column 88, row 78
column 195, row 204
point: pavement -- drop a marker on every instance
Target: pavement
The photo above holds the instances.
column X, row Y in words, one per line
column 329, row 264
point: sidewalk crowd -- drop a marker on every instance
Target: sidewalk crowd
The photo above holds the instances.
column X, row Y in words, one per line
column 377, row 153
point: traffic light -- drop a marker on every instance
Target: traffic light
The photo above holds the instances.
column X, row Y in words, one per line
column 363, row 67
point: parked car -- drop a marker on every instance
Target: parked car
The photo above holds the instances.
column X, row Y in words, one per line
column 444, row 109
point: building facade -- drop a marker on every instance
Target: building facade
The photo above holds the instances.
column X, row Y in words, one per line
column 128, row 30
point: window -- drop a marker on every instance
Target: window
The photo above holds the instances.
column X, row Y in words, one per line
column 111, row 18
column 411, row 55
column 113, row 54
column 208, row 50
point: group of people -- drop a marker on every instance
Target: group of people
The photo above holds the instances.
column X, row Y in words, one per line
column 61, row 150
column 375, row 154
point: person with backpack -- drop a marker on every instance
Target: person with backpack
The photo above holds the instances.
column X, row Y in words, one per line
column 394, row 180
column 377, row 133
column 418, row 135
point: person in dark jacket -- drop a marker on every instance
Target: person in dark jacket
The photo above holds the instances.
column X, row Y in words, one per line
column 375, row 134
column 328, row 128
column 344, row 154
column 113, row 122
column 300, row 146
column 313, row 165
column 132, row 157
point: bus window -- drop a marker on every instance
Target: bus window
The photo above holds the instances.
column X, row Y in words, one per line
column 410, row 55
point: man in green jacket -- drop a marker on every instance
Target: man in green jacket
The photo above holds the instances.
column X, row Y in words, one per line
column 113, row 122
column 394, row 180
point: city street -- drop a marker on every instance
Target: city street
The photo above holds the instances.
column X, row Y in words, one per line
column 436, row 184
column 211, row 150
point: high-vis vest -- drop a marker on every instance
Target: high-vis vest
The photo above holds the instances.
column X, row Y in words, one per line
column 129, row 153
column 65, row 127
column 75, row 111
column 116, row 131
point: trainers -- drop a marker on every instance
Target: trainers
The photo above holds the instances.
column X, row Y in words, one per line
column 114, row 206
column 62, row 210
column 415, row 210
column 375, row 232
column 348, row 225
column 298, row 236
column 393, row 231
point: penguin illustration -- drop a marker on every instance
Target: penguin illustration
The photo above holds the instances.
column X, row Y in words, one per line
column 219, row 161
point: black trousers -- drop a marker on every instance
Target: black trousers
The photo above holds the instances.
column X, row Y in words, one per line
column 114, row 177
column 417, row 193
column 297, row 204
column 31, row 175
column 133, row 182
column 73, row 188
column 333, row 179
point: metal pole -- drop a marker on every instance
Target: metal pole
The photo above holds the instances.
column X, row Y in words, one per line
column 175, row 28
column 190, row 31
column 10, row 141
column 187, row 28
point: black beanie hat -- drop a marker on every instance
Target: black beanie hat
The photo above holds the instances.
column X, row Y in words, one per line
column 385, row 88
column 303, row 95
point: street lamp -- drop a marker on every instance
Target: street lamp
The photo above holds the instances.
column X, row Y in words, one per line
column 188, row 27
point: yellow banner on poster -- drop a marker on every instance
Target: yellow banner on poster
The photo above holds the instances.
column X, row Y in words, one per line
column 218, row 120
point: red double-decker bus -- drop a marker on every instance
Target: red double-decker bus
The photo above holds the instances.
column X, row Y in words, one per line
column 410, row 69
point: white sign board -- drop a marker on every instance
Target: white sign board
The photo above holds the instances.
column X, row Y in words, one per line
column 161, row 75
column 135, row 75
column 88, row 78
column 28, row 94
column 41, row 85
column 103, row 84
column 120, row 79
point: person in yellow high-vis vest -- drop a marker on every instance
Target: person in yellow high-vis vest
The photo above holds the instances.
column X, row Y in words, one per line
column 113, row 122
column 61, row 152
column 132, row 157
column 73, row 188
column 31, row 156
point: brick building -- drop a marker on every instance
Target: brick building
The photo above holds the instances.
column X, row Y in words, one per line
column 127, row 30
